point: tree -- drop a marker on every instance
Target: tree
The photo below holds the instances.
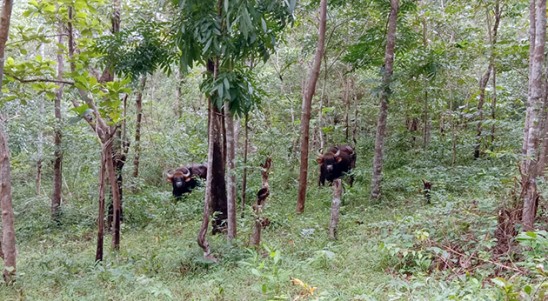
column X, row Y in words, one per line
column 308, row 94
column 223, row 36
column 385, row 93
column 58, row 152
column 8, row 230
column 529, row 165
column 485, row 77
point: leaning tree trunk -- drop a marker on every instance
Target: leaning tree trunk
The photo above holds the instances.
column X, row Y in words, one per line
column 139, row 113
column 58, row 136
column 387, row 78
column 529, row 166
column 307, row 104
column 230, row 173
column 8, row 229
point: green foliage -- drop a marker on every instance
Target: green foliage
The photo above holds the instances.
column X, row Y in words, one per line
column 138, row 50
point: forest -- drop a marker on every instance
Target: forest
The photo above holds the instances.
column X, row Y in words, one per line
column 273, row 150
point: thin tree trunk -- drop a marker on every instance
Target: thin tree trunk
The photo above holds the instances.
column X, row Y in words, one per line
column 58, row 136
column 244, row 176
column 532, row 37
column 346, row 96
column 40, row 147
column 485, row 79
column 482, row 85
column 529, row 166
column 387, row 78
column 230, row 173
column 178, row 93
column 103, row 131
column 426, row 121
column 101, row 213
column 320, row 111
column 139, row 113
column 494, row 108
column 335, row 208
column 306, row 107
column 8, row 229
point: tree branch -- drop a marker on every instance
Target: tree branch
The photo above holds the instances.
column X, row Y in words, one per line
column 44, row 80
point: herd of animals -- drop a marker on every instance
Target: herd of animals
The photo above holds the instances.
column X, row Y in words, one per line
column 334, row 163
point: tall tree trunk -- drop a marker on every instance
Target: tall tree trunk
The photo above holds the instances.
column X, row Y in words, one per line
column 529, row 165
column 8, row 221
column 532, row 37
column 58, row 135
column 215, row 178
column 386, row 79
column 244, row 176
column 139, row 113
column 121, row 144
column 307, row 104
column 101, row 213
column 493, row 33
column 230, row 173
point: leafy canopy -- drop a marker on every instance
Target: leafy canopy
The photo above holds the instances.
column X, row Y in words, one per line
column 232, row 33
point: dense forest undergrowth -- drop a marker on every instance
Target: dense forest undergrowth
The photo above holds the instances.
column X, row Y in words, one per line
column 398, row 248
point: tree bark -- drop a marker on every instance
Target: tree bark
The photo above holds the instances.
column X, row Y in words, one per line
column 307, row 104
column 139, row 113
column 387, row 78
column 262, row 194
column 230, row 173
column 529, row 165
column 335, row 208
column 244, row 176
column 8, row 220
column 532, row 37
column 101, row 213
column 58, row 135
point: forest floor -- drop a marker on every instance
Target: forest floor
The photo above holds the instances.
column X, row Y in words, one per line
column 398, row 250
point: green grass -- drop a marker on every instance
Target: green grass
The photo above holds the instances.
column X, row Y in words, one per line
column 160, row 260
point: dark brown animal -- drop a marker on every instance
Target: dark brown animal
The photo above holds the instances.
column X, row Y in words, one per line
column 184, row 179
column 335, row 163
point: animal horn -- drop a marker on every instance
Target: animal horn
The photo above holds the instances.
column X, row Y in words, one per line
column 187, row 173
column 169, row 174
column 338, row 153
